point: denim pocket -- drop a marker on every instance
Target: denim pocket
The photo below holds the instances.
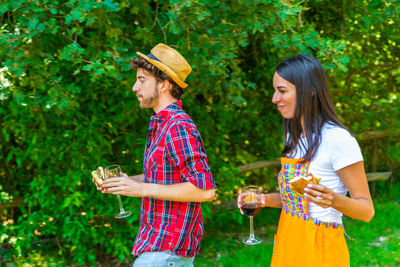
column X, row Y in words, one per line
column 178, row 261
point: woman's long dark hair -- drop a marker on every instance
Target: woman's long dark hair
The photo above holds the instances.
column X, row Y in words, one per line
column 313, row 103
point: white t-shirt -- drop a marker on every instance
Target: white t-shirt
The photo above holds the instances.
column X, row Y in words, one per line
column 337, row 150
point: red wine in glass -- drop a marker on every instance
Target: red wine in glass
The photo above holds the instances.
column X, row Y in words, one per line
column 251, row 209
column 250, row 204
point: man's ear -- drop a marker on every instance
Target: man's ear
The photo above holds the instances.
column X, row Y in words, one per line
column 165, row 86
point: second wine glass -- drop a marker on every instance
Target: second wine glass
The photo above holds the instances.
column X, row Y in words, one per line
column 115, row 171
column 251, row 205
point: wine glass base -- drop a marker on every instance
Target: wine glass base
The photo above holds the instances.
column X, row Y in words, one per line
column 123, row 214
column 252, row 241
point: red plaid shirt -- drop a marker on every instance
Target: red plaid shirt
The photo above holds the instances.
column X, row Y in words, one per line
column 174, row 154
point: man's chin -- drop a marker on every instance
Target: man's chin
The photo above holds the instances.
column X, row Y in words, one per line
column 144, row 106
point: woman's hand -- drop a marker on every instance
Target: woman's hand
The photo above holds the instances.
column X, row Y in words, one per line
column 320, row 195
column 240, row 199
column 242, row 196
column 272, row 200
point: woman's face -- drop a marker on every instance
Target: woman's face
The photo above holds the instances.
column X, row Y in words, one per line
column 284, row 96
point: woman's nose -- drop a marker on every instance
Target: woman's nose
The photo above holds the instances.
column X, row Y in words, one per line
column 275, row 98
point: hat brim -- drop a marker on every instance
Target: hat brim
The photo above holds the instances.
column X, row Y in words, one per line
column 165, row 69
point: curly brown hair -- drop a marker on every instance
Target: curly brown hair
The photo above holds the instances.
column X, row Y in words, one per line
column 139, row 62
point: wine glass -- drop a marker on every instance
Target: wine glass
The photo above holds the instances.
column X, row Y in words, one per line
column 250, row 204
column 115, row 171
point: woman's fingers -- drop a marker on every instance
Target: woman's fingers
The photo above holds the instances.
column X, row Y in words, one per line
column 319, row 194
column 318, row 200
column 240, row 202
column 240, row 198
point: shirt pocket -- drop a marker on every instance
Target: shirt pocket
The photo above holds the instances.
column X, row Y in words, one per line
column 151, row 169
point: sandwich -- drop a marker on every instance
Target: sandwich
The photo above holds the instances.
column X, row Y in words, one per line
column 300, row 182
column 98, row 175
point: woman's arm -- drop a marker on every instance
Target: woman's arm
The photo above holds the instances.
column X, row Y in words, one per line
column 272, row 200
column 359, row 206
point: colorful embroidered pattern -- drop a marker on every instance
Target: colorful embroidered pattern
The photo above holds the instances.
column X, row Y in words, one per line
column 292, row 201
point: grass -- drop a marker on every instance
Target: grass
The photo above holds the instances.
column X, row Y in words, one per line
column 372, row 244
column 378, row 242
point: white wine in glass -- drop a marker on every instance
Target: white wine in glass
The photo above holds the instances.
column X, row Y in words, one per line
column 115, row 171
column 251, row 205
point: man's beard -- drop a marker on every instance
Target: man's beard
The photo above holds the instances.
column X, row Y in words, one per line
column 151, row 99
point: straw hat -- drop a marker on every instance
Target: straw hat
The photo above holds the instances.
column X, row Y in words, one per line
column 169, row 61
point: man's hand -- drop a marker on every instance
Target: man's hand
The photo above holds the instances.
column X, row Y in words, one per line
column 123, row 186
column 99, row 187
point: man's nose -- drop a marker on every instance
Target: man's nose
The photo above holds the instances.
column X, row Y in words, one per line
column 135, row 87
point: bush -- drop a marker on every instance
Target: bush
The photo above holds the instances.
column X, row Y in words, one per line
column 67, row 105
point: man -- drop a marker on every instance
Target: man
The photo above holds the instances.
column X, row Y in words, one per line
column 176, row 176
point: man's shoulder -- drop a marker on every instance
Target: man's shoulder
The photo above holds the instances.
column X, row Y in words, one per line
column 182, row 119
column 182, row 125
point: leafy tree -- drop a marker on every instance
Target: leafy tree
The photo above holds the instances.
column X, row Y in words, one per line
column 67, row 106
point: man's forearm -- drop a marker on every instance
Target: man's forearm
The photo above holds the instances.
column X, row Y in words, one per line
column 138, row 178
column 183, row 192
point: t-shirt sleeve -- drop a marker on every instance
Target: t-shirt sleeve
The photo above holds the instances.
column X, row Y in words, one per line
column 344, row 149
column 185, row 150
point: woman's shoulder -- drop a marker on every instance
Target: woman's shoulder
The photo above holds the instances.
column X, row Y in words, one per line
column 332, row 130
column 337, row 136
column 341, row 147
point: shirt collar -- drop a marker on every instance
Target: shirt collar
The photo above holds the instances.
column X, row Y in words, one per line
column 167, row 112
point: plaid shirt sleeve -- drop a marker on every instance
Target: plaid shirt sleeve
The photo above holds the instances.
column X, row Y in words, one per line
column 185, row 150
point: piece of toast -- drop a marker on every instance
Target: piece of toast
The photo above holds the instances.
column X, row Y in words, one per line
column 98, row 175
column 300, row 182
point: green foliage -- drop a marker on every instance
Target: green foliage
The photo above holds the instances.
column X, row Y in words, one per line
column 67, row 106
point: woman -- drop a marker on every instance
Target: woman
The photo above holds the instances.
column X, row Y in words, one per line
column 310, row 231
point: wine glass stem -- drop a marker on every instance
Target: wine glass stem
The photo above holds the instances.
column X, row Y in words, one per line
column 251, row 228
column 120, row 204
